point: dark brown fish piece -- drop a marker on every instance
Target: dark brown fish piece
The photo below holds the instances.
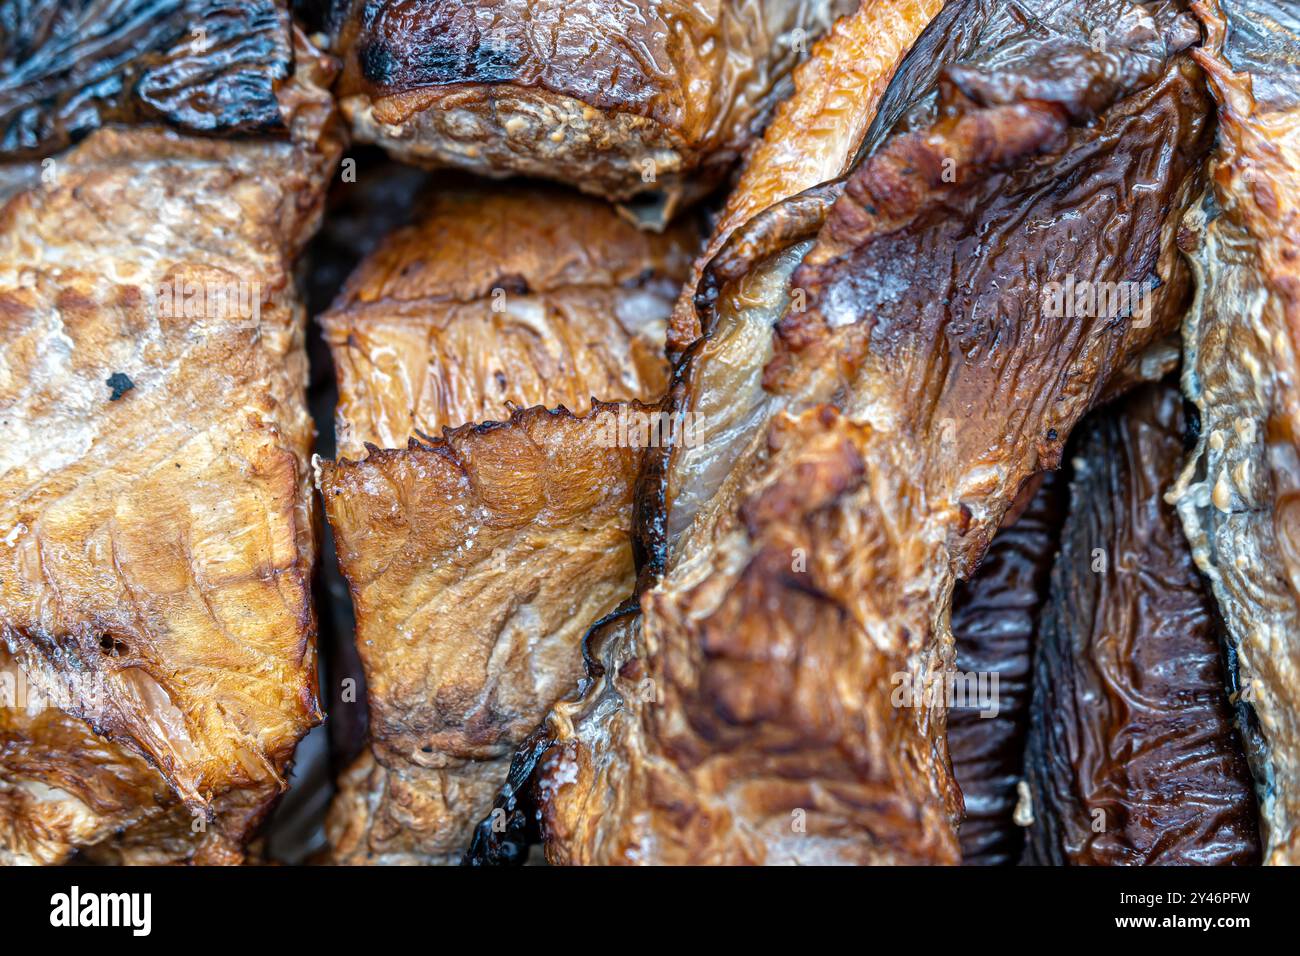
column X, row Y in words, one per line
column 800, row 556
column 995, row 618
column 1132, row 756
column 617, row 99
column 68, row 67
column 1239, row 495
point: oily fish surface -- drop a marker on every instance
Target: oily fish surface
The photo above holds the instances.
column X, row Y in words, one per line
column 613, row 98
column 1237, row 494
column 477, row 559
column 154, row 487
column 881, row 434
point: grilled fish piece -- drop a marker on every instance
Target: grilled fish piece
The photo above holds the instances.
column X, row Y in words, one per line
column 995, row 620
column 816, row 133
column 154, row 489
column 477, row 559
column 496, row 297
column 1132, row 756
column 617, row 99
column 801, row 555
column 68, row 67
column 1238, row 495
column 474, row 564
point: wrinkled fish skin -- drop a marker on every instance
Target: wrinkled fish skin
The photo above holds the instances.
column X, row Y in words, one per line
column 68, row 67
column 995, row 619
column 613, row 98
column 496, row 297
column 473, row 563
column 154, row 581
column 867, row 452
column 1132, row 756
column 477, row 559
column 1238, row 495
column 815, row 133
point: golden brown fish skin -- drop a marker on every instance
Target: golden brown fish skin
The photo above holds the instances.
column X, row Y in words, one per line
column 754, row 743
column 1132, row 757
column 808, row 545
column 62, row 784
column 815, row 134
column 496, row 297
column 1237, row 493
column 158, row 546
column 616, row 99
column 474, row 564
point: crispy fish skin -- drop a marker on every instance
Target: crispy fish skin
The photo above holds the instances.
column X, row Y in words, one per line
column 815, row 134
column 614, row 98
column 1132, row 756
column 62, row 783
column 810, row 541
column 1237, row 496
column 475, row 564
column 154, row 485
column 995, row 620
column 497, row 297
column 476, row 560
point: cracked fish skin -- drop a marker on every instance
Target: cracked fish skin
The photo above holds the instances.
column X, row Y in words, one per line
column 477, row 559
column 586, row 93
column 1132, row 757
column 773, row 682
column 1237, row 494
column 531, row 296
column 154, row 577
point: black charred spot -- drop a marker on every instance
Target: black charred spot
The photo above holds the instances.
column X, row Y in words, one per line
column 379, row 65
column 494, row 62
column 1192, row 428
column 1051, row 434
column 120, row 384
column 513, row 284
column 705, row 298
column 440, row 60
column 113, row 647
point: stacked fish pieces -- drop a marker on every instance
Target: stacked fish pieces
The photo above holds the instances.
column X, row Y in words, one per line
column 666, row 545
